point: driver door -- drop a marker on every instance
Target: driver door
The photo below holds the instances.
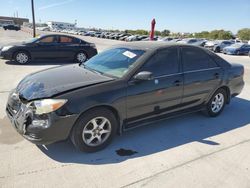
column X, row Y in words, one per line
column 149, row 98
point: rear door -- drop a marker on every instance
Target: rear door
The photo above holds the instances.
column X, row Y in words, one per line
column 201, row 76
column 45, row 48
column 68, row 47
column 153, row 97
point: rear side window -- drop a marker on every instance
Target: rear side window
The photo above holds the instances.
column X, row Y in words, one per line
column 64, row 39
column 196, row 59
column 163, row 62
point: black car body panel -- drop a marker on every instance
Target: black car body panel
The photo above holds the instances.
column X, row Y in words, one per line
column 46, row 87
column 133, row 102
column 52, row 50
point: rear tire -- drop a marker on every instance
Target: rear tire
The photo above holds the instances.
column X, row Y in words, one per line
column 94, row 130
column 81, row 57
column 217, row 103
column 217, row 49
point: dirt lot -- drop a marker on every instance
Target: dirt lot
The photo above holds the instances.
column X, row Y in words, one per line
column 188, row 151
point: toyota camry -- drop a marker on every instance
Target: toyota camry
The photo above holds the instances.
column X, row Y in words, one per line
column 119, row 89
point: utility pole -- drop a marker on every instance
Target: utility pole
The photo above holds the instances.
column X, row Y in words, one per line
column 33, row 18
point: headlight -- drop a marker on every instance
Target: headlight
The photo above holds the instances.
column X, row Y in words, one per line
column 5, row 48
column 46, row 105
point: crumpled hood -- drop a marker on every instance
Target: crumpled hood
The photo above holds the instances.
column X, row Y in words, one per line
column 53, row 81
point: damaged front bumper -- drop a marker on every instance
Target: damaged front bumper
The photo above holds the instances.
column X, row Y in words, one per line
column 38, row 129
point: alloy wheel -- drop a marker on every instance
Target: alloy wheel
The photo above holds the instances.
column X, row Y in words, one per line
column 96, row 131
column 22, row 58
column 217, row 102
column 81, row 57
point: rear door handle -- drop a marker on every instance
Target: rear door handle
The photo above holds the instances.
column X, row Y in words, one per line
column 216, row 75
column 177, row 83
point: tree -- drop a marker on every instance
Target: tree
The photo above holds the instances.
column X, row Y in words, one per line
column 165, row 32
column 244, row 34
column 157, row 33
column 220, row 34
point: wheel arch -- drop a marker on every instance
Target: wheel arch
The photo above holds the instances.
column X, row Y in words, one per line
column 21, row 50
column 110, row 108
column 226, row 89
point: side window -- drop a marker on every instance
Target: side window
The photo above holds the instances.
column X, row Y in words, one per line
column 49, row 39
column 163, row 62
column 76, row 41
column 196, row 59
column 64, row 39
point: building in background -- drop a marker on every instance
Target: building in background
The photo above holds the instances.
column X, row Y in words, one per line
column 4, row 20
column 61, row 25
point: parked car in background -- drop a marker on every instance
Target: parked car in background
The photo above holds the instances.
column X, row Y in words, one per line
column 54, row 46
column 200, row 42
column 124, row 37
column 166, row 39
column 218, row 45
column 11, row 27
column 237, row 49
column 188, row 41
column 120, row 89
column 221, row 45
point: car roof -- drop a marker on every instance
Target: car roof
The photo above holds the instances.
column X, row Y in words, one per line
column 150, row 45
column 59, row 35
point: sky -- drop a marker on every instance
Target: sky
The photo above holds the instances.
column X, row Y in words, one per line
column 175, row 15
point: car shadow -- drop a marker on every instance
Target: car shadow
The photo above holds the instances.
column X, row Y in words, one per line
column 157, row 137
column 40, row 63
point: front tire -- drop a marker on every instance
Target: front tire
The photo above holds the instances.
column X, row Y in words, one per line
column 94, row 130
column 217, row 103
column 22, row 57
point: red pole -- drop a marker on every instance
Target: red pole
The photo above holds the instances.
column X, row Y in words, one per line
column 152, row 32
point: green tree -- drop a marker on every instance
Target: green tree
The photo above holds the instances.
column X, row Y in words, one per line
column 157, row 33
column 244, row 34
column 165, row 32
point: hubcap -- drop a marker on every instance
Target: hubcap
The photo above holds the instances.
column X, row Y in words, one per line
column 97, row 131
column 217, row 103
column 81, row 57
column 22, row 58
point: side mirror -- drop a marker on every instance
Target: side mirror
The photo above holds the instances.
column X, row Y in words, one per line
column 144, row 75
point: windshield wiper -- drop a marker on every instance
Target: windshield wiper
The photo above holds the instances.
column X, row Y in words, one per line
column 92, row 70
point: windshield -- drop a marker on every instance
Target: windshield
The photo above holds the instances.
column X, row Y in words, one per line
column 31, row 40
column 237, row 45
column 114, row 62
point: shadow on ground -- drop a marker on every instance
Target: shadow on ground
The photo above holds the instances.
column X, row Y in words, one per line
column 157, row 137
column 40, row 63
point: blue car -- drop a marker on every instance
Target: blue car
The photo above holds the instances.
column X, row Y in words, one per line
column 237, row 49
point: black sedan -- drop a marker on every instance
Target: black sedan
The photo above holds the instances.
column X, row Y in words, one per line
column 11, row 27
column 119, row 89
column 61, row 47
